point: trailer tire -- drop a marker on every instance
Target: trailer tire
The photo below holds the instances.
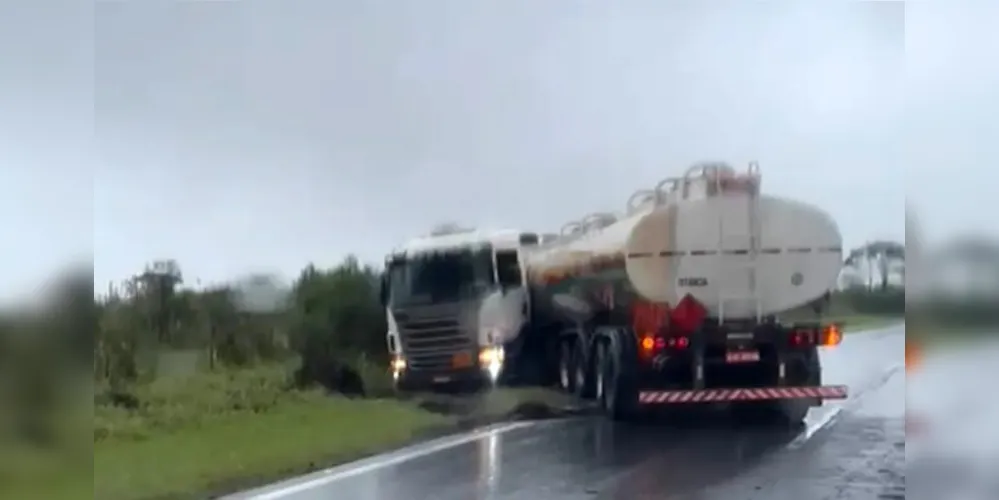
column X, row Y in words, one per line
column 616, row 384
column 788, row 413
column 814, row 368
column 584, row 384
column 792, row 413
column 566, row 367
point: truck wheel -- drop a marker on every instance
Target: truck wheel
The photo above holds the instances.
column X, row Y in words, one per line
column 616, row 389
column 814, row 368
column 584, row 373
column 787, row 414
column 790, row 412
column 566, row 367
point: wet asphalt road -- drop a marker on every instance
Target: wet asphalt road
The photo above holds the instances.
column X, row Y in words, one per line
column 853, row 449
column 954, row 452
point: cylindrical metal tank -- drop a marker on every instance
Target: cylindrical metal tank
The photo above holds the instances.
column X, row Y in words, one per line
column 697, row 238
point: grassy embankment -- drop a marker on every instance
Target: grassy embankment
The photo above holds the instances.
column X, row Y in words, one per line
column 224, row 431
column 842, row 312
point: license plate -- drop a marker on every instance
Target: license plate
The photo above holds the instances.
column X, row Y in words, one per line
column 461, row 360
column 742, row 356
column 443, row 379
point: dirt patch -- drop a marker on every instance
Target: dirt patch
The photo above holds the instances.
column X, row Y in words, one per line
column 499, row 405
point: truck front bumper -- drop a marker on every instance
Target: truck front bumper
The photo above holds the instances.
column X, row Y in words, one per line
column 432, row 380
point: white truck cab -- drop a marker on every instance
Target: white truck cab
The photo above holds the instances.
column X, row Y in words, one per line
column 453, row 303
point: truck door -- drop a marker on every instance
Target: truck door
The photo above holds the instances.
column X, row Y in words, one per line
column 508, row 271
column 510, row 275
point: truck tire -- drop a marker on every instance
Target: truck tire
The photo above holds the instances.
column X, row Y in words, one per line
column 788, row 413
column 616, row 384
column 566, row 367
column 584, row 382
column 792, row 412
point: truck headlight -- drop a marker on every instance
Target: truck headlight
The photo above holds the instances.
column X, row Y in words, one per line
column 491, row 356
column 491, row 359
column 398, row 364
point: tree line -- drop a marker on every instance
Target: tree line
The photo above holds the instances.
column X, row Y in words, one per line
column 330, row 319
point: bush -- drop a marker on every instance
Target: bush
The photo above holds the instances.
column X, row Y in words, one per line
column 328, row 332
column 328, row 319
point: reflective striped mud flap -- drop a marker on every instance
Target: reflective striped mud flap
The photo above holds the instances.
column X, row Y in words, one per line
column 753, row 394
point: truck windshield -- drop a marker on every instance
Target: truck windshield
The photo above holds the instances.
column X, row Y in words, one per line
column 440, row 277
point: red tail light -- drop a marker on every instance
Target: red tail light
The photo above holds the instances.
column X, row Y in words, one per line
column 651, row 344
column 801, row 338
column 828, row 335
column 688, row 314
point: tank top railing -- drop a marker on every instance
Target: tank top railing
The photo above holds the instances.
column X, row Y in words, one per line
column 570, row 229
column 639, row 199
column 719, row 177
column 598, row 220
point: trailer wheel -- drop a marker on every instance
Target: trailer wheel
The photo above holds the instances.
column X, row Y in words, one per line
column 566, row 367
column 792, row 413
column 584, row 382
column 617, row 389
column 803, row 371
column 814, row 368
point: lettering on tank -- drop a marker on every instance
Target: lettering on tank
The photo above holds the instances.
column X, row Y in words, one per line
column 693, row 282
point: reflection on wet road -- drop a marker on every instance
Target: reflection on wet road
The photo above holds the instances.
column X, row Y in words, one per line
column 850, row 450
column 956, row 452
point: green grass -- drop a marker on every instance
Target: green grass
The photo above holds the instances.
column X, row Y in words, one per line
column 861, row 322
column 230, row 430
column 248, row 448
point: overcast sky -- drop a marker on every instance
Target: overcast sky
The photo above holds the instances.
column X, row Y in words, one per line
column 260, row 135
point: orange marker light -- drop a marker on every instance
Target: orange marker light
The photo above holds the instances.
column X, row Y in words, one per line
column 913, row 355
column 648, row 343
column 831, row 335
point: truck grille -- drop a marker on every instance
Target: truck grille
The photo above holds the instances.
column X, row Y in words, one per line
column 431, row 336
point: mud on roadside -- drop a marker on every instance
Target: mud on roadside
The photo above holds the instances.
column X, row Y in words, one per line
column 500, row 405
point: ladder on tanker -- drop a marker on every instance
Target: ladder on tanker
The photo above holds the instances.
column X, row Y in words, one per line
column 738, row 249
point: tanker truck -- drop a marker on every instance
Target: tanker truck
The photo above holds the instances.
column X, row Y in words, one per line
column 674, row 301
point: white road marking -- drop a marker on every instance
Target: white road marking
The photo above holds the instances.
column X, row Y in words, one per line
column 322, row 478
column 829, row 414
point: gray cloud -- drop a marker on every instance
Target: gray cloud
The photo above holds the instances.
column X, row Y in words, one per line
column 234, row 135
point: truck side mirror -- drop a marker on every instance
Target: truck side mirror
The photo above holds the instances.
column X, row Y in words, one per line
column 383, row 289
